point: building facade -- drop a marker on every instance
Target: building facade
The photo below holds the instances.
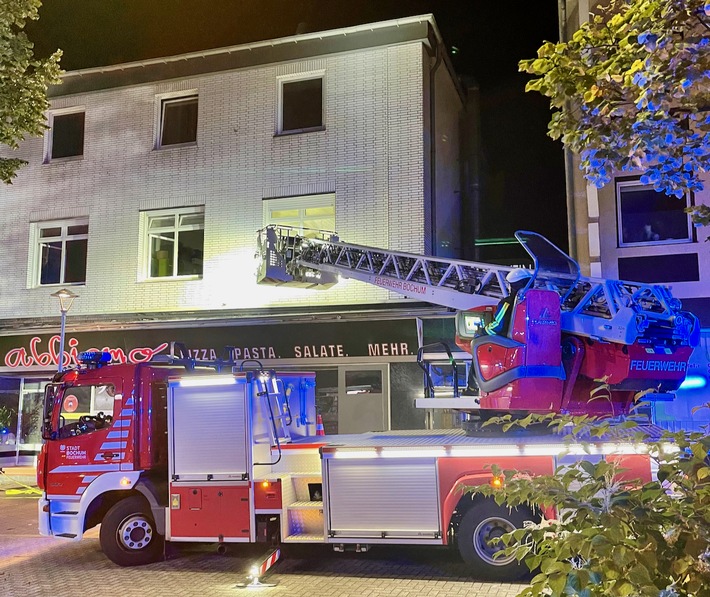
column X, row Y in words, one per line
column 147, row 191
column 627, row 230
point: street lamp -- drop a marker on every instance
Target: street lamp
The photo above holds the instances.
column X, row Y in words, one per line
column 66, row 299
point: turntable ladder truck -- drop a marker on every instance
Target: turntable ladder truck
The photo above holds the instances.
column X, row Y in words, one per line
column 173, row 452
column 573, row 338
column 190, row 451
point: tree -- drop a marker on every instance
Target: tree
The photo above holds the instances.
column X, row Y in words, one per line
column 616, row 536
column 631, row 91
column 23, row 81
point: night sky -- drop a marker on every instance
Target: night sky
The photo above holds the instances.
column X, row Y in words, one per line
column 524, row 172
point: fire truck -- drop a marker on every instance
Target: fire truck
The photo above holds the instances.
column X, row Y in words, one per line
column 192, row 451
column 578, row 345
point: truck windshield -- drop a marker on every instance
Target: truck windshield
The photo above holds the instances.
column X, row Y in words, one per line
column 83, row 409
column 554, row 269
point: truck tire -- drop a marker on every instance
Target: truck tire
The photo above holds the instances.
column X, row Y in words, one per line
column 128, row 536
column 484, row 521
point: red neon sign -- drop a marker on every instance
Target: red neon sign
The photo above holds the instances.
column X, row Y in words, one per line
column 34, row 357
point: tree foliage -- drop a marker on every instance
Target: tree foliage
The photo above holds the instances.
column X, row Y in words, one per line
column 23, row 81
column 631, row 91
column 615, row 536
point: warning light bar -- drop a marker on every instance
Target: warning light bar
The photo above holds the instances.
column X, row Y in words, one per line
column 94, row 358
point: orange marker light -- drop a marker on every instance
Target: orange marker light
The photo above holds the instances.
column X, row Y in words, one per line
column 125, row 481
column 265, row 484
column 497, row 482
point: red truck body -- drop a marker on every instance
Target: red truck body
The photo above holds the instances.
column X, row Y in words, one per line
column 158, row 453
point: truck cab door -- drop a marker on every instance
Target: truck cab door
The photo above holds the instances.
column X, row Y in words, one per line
column 88, row 438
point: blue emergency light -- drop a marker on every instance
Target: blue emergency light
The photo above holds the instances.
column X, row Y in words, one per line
column 693, row 382
column 94, row 358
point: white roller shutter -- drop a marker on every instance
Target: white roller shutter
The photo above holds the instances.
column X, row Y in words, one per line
column 383, row 498
column 208, row 434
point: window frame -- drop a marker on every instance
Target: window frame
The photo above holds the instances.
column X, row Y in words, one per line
column 300, row 203
column 37, row 241
column 49, row 136
column 284, row 80
column 145, row 243
column 171, row 98
column 628, row 183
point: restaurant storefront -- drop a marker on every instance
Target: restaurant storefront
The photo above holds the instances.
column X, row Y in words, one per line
column 367, row 376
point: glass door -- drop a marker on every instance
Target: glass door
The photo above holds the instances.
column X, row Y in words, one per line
column 29, row 424
column 9, row 401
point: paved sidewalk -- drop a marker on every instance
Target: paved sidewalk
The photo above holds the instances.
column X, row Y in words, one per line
column 33, row 566
column 17, row 476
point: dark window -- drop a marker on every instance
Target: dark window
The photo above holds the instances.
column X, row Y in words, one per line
column 363, row 382
column 190, row 243
column 75, row 267
column 178, row 121
column 67, row 135
column 649, row 217
column 660, row 269
column 302, row 105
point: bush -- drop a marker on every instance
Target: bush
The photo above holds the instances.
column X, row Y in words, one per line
column 614, row 537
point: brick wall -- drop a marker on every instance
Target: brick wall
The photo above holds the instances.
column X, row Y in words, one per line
column 370, row 156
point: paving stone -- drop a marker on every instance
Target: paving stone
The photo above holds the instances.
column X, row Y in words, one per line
column 34, row 566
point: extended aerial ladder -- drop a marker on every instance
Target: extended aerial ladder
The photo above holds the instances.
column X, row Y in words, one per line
column 616, row 335
column 610, row 310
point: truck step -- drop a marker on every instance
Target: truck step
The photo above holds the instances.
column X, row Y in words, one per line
column 305, row 505
column 303, row 538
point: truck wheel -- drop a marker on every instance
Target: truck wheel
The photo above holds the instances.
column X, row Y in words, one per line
column 485, row 521
column 128, row 536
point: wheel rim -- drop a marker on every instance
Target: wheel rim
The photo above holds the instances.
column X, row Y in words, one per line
column 135, row 532
column 488, row 529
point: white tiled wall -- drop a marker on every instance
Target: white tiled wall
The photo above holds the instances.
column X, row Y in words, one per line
column 371, row 155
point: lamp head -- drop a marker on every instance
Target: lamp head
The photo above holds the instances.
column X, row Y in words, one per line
column 66, row 298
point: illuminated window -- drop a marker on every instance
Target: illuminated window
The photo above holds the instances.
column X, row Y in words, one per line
column 647, row 217
column 65, row 138
column 178, row 120
column 173, row 242
column 307, row 213
column 301, row 105
column 59, row 253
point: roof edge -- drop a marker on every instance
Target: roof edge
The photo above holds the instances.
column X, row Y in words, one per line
column 174, row 65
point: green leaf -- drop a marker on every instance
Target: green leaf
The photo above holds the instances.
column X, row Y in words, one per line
column 550, row 566
column 681, row 565
column 557, row 583
column 640, row 576
column 539, row 66
column 588, row 467
column 624, row 589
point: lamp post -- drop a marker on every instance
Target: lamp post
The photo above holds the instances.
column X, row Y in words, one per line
column 66, row 298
